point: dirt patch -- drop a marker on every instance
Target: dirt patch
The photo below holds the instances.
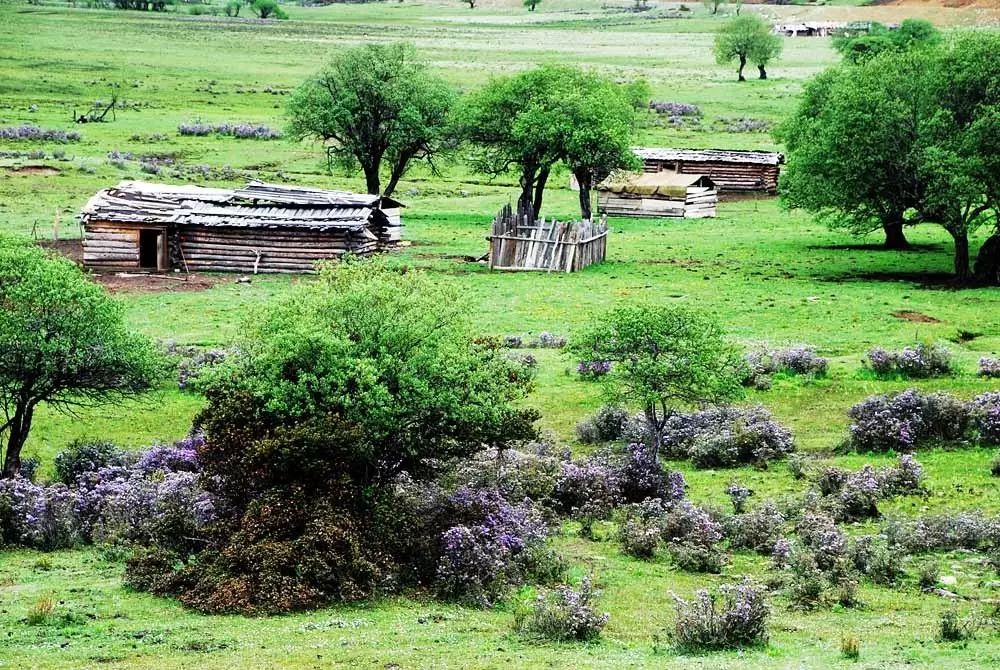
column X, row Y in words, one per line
column 41, row 170
column 914, row 317
column 125, row 282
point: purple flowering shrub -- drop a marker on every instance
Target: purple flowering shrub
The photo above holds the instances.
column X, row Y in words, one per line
column 564, row 614
column 820, row 535
column 641, row 528
column 87, row 456
column 481, row 558
column 905, row 478
column 907, row 420
column 606, row 425
column 738, row 496
column 871, row 556
column 971, row 531
column 727, row 437
column 692, row 537
column 36, row 515
column 516, row 474
column 858, row 497
column 759, row 530
column 781, row 553
column 593, row 369
column 989, row 367
column 762, row 364
column 189, row 368
column 675, row 108
column 732, row 618
column 917, row 362
column 547, row 340
column 588, row 490
column 27, row 132
column 641, row 476
column 251, row 131
column 985, row 410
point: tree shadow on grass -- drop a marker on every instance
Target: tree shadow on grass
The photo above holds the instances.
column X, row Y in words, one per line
column 926, row 280
column 932, row 247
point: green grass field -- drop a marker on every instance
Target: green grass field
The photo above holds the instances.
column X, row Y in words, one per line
column 770, row 276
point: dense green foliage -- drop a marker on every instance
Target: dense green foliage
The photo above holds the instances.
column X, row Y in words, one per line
column 663, row 358
column 910, row 34
column 747, row 39
column 374, row 105
column 527, row 123
column 909, row 136
column 64, row 342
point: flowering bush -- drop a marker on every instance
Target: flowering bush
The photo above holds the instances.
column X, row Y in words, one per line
column 675, row 108
column 738, row 496
column 482, row 558
column 734, row 617
column 944, row 532
column 692, row 538
column 985, row 410
column 641, row 528
column 797, row 360
column 781, row 553
column 37, row 516
column 238, row 130
column 820, row 535
column 916, row 362
column 564, row 614
column 907, row 420
column 593, row 369
column 727, row 437
column 641, row 476
column 87, row 456
column 606, row 425
column 745, row 125
column 188, row 369
column 27, row 132
column 858, row 497
column 758, row 530
column 989, row 367
column 906, row 478
column 588, row 490
column 871, row 556
column 516, row 474
column 547, row 340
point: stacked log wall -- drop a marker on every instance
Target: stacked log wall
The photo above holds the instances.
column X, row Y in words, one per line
column 108, row 245
column 728, row 176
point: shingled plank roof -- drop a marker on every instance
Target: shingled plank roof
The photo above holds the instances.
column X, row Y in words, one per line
column 711, row 155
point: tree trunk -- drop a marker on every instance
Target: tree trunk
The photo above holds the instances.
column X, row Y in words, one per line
column 894, row 237
column 763, row 72
column 527, row 182
column 543, row 176
column 743, row 64
column 372, row 181
column 654, row 431
column 16, row 437
column 963, row 272
column 584, row 180
column 988, row 261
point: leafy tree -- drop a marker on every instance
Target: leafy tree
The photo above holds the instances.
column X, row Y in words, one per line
column 909, row 136
column 857, row 47
column 663, row 357
column 713, row 5
column 374, row 105
column 233, row 7
column 268, row 9
column 747, row 39
column 531, row 4
column 529, row 122
column 64, row 343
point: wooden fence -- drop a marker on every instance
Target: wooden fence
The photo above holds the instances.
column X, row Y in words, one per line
column 517, row 242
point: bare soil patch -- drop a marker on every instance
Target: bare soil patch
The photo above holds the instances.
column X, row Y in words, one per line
column 914, row 317
column 38, row 170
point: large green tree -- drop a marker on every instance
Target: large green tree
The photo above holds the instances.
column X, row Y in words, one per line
column 63, row 342
column 857, row 47
column 747, row 39
column 375, row 106
column 527, row 123
column 664, row 358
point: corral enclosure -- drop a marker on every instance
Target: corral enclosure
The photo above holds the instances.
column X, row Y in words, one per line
column 770, row 276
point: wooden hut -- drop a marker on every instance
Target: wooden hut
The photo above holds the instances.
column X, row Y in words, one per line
column 665, row 194
column 732, row 171
column 258, row 228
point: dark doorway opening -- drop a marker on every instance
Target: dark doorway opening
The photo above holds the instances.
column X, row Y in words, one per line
column 149, row 248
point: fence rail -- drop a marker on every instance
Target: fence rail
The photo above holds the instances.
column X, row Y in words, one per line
column 518, row 242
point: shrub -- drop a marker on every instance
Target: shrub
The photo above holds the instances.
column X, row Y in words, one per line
column 758, row 530
column 675, row 108
column 588, row 490
column 906, row 421
column 798, row 465
column 86, row 456
column 989, row 367
column 41, row 611
column 189, row 369
column 797, row 360
column 985, row 411
column 37, row 516
column 727, row 437
column 807, row 587
column 871, row 556
column 606, row 425
column 268, row 9
column 27, row 132
column 253, row 131
column 641, row 476
column 593, row 369
column 906, row 478
column 954, row 629
column 850, row 647
column 232, row 8
column 738, row 496
column 858, row 497
column 517, row 474
column 995, row 465
column 820, row 534
column 916, row 362
column 781, row 554
column 929, row 575
column 734, row 617
column 641, row 528
column 944, row 532
column 547, row 340
column 564, row 614
column 692, row 538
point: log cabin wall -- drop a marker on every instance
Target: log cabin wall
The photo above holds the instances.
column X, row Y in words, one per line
column 110, row 245
column 731, row 170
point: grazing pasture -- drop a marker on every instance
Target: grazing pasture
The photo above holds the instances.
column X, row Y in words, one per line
column 772, row 278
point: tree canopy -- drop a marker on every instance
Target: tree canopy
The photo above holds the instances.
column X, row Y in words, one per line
column 375, row 105
column 905, row 137
column 747, row 39
column 856, row 47
column 64, row 343
column 527, row 123
column 663, row 358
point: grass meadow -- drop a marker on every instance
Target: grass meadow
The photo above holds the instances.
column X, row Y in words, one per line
column 772, row 277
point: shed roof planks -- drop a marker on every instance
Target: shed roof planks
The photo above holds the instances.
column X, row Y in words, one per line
column 712, row 155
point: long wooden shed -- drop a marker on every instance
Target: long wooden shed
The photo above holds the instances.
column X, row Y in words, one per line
column 732, row 171
column 663, row 194
column 258, row 228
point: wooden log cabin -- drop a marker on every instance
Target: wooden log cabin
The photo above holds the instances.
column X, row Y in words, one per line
column 732, row 171
column 258, row 228
column 662, row 194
